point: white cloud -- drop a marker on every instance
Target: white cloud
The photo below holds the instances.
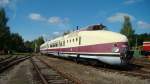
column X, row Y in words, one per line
column 36, row 17
column 54, row 20
column 11, row 5
column 142, row 24
column 56, row 33
column 4, row 3
column 57, row 20
column 131, row 1
column 44, row 35
column 119, row 17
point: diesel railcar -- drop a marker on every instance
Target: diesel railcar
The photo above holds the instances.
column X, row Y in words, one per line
column 91, row 43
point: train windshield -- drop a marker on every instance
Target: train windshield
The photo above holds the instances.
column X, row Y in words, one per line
column 96, row 27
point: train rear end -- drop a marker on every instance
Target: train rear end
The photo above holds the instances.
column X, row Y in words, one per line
column 146, row 49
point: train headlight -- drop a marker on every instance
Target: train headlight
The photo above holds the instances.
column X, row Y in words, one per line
column 115, row 49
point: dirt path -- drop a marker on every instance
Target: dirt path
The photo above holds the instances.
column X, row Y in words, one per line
column 19, row 74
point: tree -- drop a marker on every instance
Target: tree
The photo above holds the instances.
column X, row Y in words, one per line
column 28, row 46
column 142, row 37
column 13, row 41
column 34, row 45
column 16, row 42
column 4, row 31
column 37, row 43
column 127, row 30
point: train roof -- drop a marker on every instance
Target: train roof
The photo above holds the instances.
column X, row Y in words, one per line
column 84, row 31
column 95, row 27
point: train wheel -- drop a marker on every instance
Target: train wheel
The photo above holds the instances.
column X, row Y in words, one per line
column 93, row 62
column 58, row 53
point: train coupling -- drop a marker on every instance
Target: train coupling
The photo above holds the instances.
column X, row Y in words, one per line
column 127, row 56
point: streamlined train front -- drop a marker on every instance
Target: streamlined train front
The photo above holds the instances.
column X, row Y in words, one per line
column 105, row 46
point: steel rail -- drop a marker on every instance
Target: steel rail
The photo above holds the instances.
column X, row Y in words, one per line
column 11, row 63
column 44, row 81
column 68, row 76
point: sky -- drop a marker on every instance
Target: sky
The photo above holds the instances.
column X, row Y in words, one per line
column 50, row 18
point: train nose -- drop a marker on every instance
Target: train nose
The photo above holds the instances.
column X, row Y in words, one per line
column 118, row 37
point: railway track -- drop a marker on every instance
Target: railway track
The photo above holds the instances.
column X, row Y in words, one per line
column 139, row 71
column 49, row 75
column 142, row 73
column 10, row 61
column 4, row 58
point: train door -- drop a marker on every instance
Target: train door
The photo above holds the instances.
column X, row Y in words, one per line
column 79, row 40
column 78, row 50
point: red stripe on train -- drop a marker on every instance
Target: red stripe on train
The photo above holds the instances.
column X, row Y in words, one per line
column 105, row 48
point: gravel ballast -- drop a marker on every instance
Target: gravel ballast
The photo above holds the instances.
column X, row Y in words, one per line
column 18, row 74
column 90, row 75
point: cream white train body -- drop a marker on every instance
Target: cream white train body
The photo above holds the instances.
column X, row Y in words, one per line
column 102, row 45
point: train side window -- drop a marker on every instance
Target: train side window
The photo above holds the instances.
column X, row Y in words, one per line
column 55, row 44
column 76, row 39
column 63, row 43
column 79, row 40
column 60, row 44
column 72, row 40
